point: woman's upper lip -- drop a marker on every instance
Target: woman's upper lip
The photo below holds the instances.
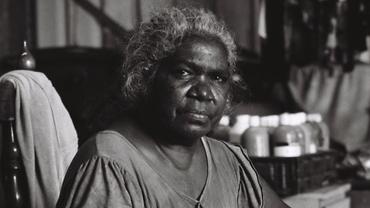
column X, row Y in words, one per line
column 198, row 115
column 197, row 112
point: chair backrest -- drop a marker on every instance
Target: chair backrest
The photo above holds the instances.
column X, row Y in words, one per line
column 37, row 138
column 38, row 141
column 13, row 174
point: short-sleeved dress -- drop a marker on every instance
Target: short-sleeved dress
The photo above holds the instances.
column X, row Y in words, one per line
column 109, row 171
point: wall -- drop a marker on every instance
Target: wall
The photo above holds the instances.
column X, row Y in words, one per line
column 56, row 29
column 17, row 22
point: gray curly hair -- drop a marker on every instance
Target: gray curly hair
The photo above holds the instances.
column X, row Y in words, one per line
column 159, row 38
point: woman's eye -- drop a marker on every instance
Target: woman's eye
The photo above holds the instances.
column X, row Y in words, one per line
column 220, row 78
column 182, row 72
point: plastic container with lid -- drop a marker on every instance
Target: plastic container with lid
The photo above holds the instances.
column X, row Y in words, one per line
column 285, row 139
column 270, row 122
column 296, row 122
column 273, row 122
column 310, row 134
column 225, row 121
column 287, row 151
column 222, row 130
column 256, row 138
column 321, row 129
column 240, row 125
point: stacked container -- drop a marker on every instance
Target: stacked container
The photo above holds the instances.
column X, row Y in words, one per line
column 285, row 135
column 256, row 138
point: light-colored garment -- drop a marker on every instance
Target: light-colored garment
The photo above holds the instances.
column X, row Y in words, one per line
column 109, row 171
column 45, row 134
column 342, row 98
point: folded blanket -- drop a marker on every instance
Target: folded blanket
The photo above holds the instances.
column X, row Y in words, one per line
column 45, row 133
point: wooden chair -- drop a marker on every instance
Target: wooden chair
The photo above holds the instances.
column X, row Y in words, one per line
column 13, row 173
column 32, row 178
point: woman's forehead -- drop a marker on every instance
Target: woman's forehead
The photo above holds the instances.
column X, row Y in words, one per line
column 202, row 52
column 203, row 40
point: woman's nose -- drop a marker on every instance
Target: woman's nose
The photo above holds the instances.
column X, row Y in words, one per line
column 201, row 91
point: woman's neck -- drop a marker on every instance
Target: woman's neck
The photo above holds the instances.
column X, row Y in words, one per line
column 154, row 143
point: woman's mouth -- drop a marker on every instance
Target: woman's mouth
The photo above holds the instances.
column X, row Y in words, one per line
column 197, row 117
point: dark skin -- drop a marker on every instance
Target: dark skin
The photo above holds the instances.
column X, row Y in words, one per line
column 190, row 93
column 188, row 98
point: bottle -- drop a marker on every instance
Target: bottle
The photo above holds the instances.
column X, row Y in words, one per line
column 225, row 120
column 222, row 130
column 265, row 122
column 322, row 131
column 304, row 142
column 273, row 122
column 285, row 141
column 311, row 137
column 331, row 43
column 256, row 138
column 240, row 125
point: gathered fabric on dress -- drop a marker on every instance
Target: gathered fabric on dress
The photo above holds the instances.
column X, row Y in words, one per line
column 109, row 171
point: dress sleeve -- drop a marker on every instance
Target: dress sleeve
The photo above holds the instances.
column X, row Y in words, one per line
column 98, row 182
column 253, row 190
column 250, row 192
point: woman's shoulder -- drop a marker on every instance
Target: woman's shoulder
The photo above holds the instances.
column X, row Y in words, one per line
column 242, row 167
column 101, row 165
column 228, row 149
column 107, row 144
column 232, row 154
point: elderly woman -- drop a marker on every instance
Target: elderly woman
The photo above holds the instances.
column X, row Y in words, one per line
column 179, row 79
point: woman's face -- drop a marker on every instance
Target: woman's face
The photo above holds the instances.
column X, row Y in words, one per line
column 191, row 88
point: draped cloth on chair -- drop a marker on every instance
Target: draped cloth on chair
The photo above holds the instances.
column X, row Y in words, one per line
column 45, row 133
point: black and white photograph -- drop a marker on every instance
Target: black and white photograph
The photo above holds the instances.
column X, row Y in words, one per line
column 184, row 103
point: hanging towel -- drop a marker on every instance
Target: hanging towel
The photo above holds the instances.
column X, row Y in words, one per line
column 45, row 133
column 342, row 98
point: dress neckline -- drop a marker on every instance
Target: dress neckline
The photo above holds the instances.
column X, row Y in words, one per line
column 205, row 146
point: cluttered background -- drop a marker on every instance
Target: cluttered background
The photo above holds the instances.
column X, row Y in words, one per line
column 306, row 119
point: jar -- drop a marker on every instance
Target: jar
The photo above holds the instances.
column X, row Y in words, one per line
column 286, row 135
column 240, row 125
column 256, row 138
column 321, row 130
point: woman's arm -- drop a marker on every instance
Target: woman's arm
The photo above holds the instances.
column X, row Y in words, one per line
column 98, row 182
column 270, row 198
column 253, row 185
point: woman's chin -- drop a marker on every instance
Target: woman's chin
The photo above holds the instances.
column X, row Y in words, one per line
column 193, row 131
